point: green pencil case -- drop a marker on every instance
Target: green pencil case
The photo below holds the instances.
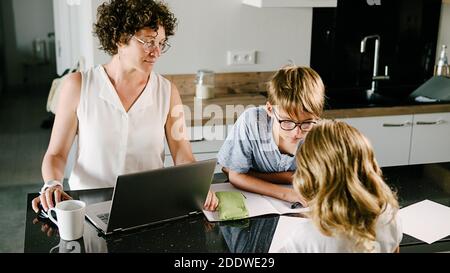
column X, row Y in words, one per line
column 231, row 205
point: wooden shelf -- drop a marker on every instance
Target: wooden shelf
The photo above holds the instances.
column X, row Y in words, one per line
column 290, row 3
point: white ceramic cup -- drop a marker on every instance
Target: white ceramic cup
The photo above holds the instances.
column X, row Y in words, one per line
column 70, row 215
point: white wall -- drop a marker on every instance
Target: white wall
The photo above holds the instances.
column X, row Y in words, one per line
column 99, row 56
column 444, row 29
column 208, row 28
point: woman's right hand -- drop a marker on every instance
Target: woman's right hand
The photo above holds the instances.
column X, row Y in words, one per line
column 48, row 196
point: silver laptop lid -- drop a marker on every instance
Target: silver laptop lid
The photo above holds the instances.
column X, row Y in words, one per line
column 159, row 195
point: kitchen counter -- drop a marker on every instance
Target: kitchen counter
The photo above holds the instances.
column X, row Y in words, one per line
column 195, row 234
column 377, row 110
column 224, row 109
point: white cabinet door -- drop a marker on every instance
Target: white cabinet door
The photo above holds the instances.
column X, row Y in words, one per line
column 168, row 161
column 66, row 16
column 204, row 139
column 390, row 137
column 430, row 141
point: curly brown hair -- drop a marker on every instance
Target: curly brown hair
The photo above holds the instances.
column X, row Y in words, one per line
column 118, row 20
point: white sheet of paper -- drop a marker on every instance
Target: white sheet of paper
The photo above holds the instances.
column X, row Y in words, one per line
column 426, row 220
column 285, row 227
column 256, row 204
column 283, row 207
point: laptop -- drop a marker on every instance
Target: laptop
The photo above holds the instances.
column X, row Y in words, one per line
column 155, row 196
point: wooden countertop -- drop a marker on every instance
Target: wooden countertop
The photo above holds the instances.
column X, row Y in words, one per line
column 225, row 109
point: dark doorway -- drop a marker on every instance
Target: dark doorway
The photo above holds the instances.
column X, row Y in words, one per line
column 2, row 52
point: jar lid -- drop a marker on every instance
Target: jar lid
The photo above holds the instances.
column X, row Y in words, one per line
column 201, row 74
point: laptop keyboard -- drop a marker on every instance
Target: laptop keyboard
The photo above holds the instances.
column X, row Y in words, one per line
column 104, row 217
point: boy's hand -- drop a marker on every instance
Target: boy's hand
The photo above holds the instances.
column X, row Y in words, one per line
column 225, row 170
column 293, row 197
column 211, row 202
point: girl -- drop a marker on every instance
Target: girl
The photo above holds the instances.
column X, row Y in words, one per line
column 352, row 208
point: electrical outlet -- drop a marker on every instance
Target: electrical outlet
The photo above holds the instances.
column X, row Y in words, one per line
column 241, row 57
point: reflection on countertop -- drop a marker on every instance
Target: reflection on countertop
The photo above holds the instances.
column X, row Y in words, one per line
column 195, row 234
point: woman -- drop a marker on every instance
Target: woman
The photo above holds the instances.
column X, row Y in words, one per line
column 121, row 111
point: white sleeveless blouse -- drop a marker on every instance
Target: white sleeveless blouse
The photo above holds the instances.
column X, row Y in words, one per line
column 112, row 141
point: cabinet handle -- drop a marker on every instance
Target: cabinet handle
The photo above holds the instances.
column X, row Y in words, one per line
column 430, row 122
column 397, row 124
column 197, row 140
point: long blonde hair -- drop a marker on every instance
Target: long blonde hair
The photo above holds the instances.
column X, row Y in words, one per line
column 339, row 177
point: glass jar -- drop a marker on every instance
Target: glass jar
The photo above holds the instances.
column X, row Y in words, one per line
column 204, row 81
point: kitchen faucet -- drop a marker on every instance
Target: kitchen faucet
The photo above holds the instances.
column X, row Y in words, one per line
column 375, row 77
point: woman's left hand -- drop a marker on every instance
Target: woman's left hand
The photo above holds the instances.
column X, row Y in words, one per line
column 211, row 202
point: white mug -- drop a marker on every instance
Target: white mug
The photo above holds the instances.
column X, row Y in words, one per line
column 70, row 215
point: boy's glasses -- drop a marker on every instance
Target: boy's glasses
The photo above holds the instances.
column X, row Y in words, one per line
column 151, row 45
column 289, row 125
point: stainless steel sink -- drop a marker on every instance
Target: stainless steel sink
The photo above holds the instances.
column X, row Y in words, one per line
column 358, row 97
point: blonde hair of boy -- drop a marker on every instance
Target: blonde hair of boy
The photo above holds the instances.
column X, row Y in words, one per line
column 297, row 89
column 339, row 177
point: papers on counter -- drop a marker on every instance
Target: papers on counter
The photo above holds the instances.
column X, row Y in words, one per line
column 285, row 228
column 426, row 220
column 256, row 204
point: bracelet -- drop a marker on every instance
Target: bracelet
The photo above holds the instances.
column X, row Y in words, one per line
column 50, row 184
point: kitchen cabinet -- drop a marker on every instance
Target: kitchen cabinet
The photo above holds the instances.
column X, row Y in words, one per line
column 390, row 137
column 407, row 139
column 168, row 161
column 430, row 138
column 290, row 3
column 66, row 15
column 205, row 141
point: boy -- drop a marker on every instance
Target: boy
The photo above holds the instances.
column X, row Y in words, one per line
column 259, row 153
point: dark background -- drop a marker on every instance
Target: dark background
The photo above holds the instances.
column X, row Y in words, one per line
column 408, row 31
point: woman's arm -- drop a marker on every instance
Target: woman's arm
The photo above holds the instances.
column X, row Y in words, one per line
column 63, row 134
column 179, row 145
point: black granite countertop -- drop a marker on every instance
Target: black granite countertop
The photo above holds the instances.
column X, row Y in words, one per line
column 195, row 234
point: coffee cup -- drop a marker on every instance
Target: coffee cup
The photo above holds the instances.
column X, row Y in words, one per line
column 69, row 219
